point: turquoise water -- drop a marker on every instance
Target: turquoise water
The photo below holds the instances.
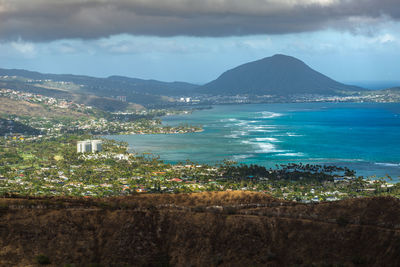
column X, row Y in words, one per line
column 362, row 136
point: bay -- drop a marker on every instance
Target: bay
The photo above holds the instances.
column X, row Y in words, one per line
column 362, row 136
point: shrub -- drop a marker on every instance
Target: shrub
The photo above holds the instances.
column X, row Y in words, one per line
column 358, row 260
column 42, row 260
column 198, row 209
column 229, row 210
column 272, row 256
column 342, row 221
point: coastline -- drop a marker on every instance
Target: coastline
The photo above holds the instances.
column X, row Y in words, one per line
column 218, row 143
column 158, row 133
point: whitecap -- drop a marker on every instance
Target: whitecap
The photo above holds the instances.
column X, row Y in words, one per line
column 262, row 128
column 268, row 148
column 293, row 134
column 264, row 147
column 262, row 131
column 236, row 134
column 295, row 154
column 387, row 164
column 263, row 139
column 335, row 160
column 229, row 120
column 269, row 115
column 259, row 127
column 239, row 157
column 241, row 123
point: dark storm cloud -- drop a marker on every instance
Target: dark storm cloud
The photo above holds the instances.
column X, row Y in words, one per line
column 44, row 20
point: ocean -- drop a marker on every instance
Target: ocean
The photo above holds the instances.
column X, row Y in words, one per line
column 364, row 137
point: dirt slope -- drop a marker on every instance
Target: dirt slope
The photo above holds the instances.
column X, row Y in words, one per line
column 208, row 229
column 24, row 108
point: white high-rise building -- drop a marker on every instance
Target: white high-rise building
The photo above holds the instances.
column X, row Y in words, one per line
column 96, row 146
column 89, row 146
column 84, row 147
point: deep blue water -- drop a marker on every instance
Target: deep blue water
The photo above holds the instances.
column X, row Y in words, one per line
column 362, row 136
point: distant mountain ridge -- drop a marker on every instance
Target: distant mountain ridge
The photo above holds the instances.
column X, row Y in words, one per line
column 394, row 89
column 155, row 87
column 99, row 92
column 118, row 84
column 279, row 76
column 276, row 75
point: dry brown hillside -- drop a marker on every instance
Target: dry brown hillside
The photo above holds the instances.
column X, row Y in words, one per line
column 205, row 229
column 24, row 108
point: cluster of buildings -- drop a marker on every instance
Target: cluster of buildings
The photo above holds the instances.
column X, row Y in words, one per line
column 383, row 96
column 121, row 98
column 89, row 146
column 188, row 100
column 35, row 98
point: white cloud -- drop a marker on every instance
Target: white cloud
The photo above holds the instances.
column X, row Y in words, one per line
column 386, row 38
column 24, row 48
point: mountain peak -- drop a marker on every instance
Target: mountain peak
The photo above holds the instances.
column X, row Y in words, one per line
column 276, row 75
column 282, row 58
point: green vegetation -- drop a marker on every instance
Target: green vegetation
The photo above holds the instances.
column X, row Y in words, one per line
column 49, row 166
column 42, row 260
column 38, row 114
column 7, row 126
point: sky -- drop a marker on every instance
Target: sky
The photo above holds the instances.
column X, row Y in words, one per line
column 197, row 40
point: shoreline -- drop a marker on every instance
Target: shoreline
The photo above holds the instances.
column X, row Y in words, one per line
column 158, row 133
column 367, row 168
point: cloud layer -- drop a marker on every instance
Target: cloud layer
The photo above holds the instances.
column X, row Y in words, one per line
column 47, row 20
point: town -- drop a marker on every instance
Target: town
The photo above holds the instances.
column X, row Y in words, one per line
column 383, row 96
column 77, row 165
column 62, row 116
column 61, row 153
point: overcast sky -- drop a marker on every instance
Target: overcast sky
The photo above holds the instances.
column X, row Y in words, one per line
column 196, row 40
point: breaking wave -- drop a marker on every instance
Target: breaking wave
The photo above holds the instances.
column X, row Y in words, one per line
column 387, row 164
column 243, row 156
column 295, row 154
column 265, row 139
column 269, row 115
